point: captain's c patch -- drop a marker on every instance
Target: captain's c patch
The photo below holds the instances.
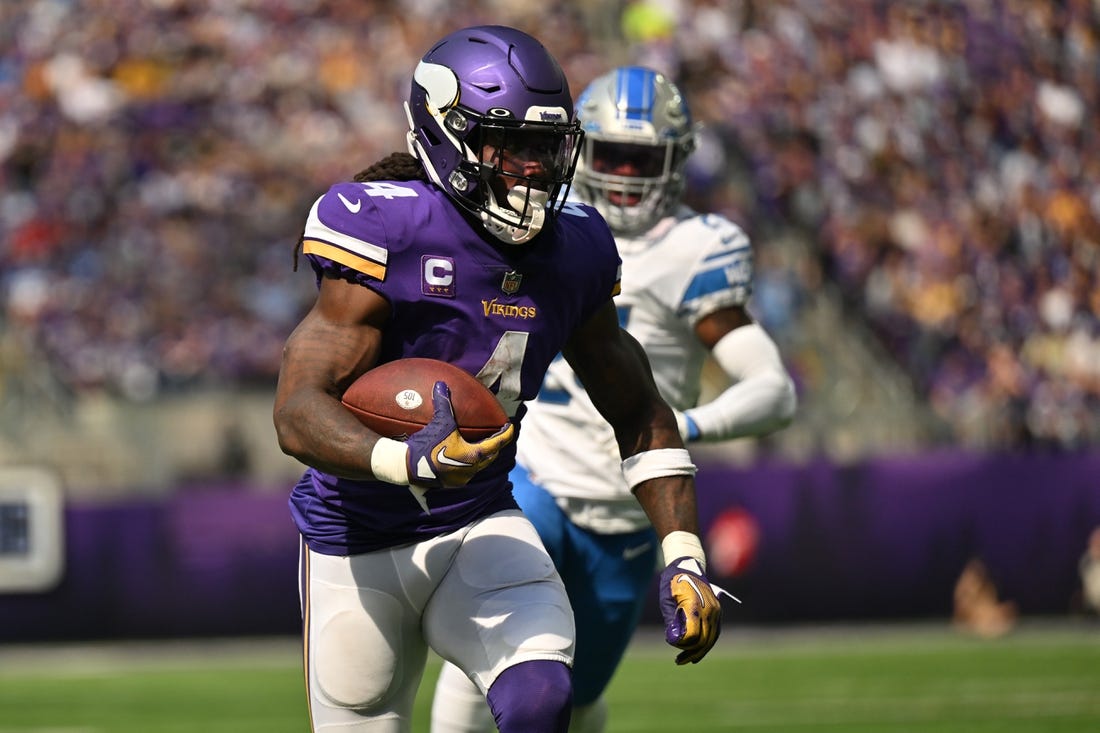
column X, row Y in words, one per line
column 437, row 276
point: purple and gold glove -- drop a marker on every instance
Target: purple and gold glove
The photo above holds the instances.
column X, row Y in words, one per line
column 440, row 457
column 690, row 608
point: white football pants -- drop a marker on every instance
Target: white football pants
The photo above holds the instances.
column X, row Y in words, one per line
column 485, row 598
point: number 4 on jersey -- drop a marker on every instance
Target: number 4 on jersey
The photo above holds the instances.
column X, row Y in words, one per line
column 504, row 369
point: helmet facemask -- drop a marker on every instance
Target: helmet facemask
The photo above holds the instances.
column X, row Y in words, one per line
column 631, row 203
column 525, row 172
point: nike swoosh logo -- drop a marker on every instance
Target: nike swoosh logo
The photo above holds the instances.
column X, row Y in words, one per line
column 691, row 581
column 353, row 208
column 629, row 553
column 446, row 460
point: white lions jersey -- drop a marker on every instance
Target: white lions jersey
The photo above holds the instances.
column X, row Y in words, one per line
column 686, row 267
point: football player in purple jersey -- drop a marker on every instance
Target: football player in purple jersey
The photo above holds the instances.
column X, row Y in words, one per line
column 464, row 250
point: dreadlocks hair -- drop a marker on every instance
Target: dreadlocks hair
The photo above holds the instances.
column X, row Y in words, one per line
column 397, row 166
column 394, row 167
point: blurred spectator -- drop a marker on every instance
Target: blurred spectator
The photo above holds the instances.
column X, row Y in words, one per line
column 155, row 156
column 978, row 610
column 943, row 155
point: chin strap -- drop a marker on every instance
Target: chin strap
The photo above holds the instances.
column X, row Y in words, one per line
column 517, row 228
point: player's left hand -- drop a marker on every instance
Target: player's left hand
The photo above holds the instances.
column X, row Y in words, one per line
column 438, row 454
column 690, row 608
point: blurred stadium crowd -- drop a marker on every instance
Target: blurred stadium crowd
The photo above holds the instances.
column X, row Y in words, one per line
column 157, row 158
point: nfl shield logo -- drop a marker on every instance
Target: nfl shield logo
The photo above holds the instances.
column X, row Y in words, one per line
column 510, row 283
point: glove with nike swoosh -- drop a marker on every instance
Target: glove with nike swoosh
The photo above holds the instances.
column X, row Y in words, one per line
column 690, row 608
column 440, row 457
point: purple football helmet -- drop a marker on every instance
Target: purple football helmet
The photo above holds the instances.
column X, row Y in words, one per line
column 491, row 121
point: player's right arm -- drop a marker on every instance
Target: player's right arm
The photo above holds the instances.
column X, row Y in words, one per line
column 337, row 340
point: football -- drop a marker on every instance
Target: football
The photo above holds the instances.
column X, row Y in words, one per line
column 395, row 399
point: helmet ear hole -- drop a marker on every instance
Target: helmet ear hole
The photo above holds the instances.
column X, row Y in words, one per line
column 429, row 133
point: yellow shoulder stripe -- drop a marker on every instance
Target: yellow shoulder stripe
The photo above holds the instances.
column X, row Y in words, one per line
column 343, row 257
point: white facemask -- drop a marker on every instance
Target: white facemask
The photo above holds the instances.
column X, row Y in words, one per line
column 513, row 227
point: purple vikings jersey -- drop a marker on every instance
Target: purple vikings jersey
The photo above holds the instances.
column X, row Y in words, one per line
column 500, row 312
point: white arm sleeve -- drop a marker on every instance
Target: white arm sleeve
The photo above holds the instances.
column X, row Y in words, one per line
column 761, row 399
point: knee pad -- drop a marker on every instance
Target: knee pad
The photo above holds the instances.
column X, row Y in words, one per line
column 532, row 697
column 354, row 664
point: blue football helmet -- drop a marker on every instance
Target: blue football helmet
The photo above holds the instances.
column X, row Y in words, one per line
column 491, row 120
column 638, row 135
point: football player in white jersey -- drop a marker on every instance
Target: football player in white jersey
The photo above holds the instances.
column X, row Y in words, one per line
column 686, row 280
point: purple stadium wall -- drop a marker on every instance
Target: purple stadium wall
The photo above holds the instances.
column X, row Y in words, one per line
column 878, row 540
column 888, row 538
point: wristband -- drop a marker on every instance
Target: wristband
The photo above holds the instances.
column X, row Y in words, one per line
column 688, row 429
column 683, row 544
column 389, row 461
column 656, row 464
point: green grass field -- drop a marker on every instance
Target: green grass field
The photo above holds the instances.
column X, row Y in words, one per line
column 881, row 679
